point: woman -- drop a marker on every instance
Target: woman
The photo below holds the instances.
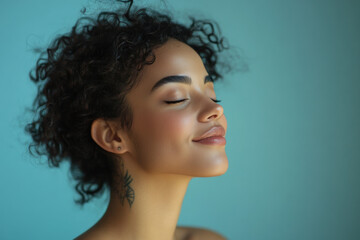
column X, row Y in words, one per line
column 128, row 98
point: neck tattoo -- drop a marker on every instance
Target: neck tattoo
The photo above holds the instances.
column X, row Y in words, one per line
column 123, row 189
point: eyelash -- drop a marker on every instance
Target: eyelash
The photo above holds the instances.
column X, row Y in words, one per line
column 181, row 100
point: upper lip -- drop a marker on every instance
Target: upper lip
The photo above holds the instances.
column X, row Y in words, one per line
column 212, row 132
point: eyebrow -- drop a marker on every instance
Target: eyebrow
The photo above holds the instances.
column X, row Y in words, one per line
column 178, row 79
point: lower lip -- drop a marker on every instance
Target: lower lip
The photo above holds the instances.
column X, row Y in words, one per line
column 213, row 141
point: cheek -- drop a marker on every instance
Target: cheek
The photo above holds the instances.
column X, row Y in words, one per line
column 163, row 139
column 174, row 126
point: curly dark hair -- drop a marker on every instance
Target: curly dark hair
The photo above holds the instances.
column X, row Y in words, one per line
column 101, row 56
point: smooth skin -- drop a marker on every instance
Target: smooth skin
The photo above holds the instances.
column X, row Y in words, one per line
column 158, row 153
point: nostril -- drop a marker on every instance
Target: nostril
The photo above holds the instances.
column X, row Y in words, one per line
column 213, row 116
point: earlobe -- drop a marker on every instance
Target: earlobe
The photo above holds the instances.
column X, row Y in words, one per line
column 106, row 137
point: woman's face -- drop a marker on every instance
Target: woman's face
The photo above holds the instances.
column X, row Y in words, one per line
column 162, row 133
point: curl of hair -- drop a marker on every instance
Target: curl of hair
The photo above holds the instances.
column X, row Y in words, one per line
column 99, row 57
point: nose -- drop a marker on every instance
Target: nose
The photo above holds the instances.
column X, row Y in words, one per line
column 210, row 111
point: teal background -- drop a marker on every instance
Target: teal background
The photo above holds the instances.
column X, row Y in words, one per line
column 293, row 139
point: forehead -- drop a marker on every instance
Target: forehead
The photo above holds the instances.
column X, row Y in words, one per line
column 172, row 58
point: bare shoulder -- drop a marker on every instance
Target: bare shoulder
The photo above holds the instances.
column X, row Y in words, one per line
column 195, row 233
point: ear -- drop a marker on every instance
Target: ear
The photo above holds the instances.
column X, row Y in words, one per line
column 105, row 135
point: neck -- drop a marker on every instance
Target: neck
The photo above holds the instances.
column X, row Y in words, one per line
column 155, row 209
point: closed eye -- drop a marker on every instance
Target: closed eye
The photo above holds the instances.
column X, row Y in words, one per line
column 181, row 100
column 177, row 101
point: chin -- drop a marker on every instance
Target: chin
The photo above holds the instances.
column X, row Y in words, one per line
column 217, row 169
column 221, row 170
